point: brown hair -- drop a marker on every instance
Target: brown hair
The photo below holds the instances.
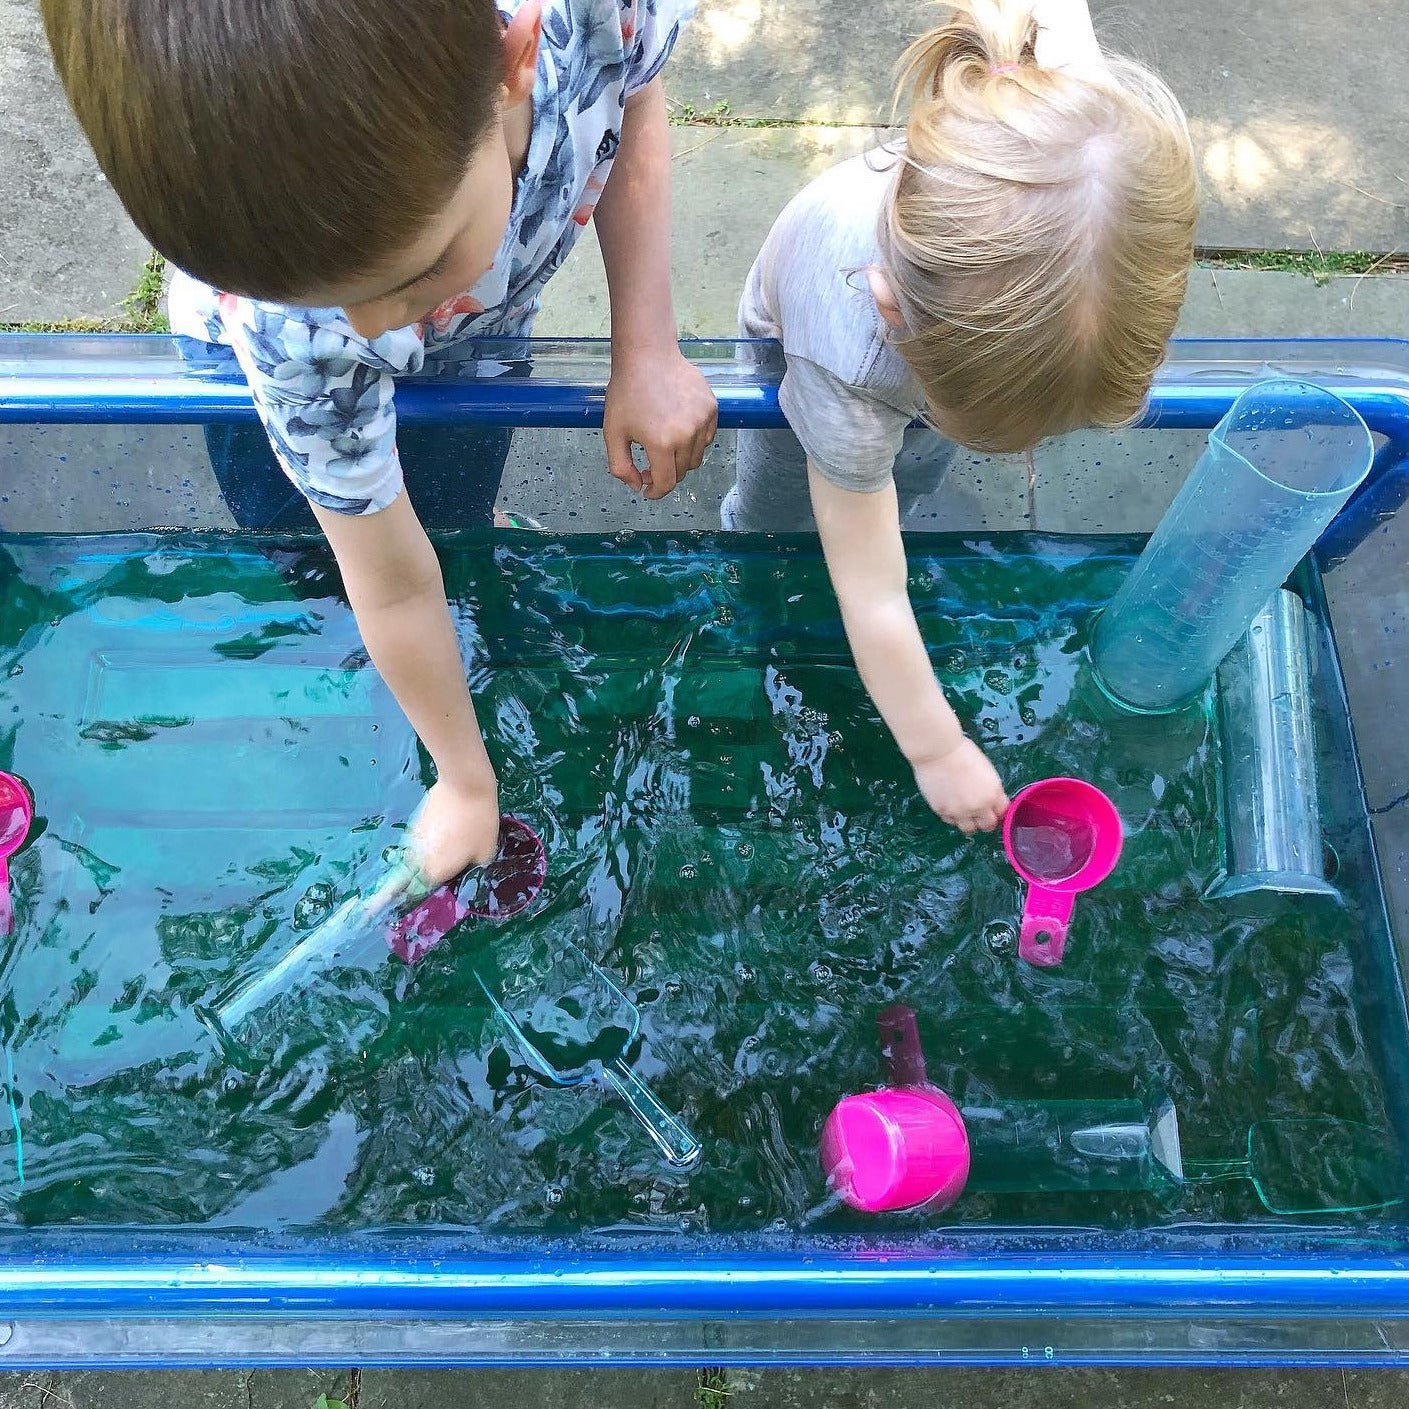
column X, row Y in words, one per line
column 271, row 147
column 1039, row 232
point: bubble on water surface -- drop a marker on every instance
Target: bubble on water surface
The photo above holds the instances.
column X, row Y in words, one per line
column 1000, row 938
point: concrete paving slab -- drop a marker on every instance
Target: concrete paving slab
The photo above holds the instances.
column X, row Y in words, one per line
column 1297, row 150
column 1376, row 1389
column 1111, row 482
column 529, row 1389
column 1229, row 303
column 729, row 184
column 1101, row 482
column 87, row 479
column 1298, row 145
column 1370, row 605
column 560, row 479
column 169, row 1389
column 980, row 493
column 67, row 248
column 677, row 1389
column 1064, row 1389
column 1096, row 482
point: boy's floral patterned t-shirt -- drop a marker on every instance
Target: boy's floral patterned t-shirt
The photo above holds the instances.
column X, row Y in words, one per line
column 326, row 395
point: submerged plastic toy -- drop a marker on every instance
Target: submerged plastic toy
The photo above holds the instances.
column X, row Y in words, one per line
column 508, row 885
column 16, row 818
column 1273, row 851
column 357, row 931
column 573, row 1022
column 910, row 1145
column 896, row 1149
column 1062, row 836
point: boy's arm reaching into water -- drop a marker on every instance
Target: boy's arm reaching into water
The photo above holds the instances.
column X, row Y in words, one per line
column 655, row 398
column 866, row 559
column 394, row 584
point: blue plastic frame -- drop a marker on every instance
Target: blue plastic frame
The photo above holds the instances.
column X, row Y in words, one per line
column 1336, row 1298
column 140, row 378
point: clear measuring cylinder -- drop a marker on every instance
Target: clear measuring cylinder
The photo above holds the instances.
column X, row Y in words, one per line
column 1278, row 468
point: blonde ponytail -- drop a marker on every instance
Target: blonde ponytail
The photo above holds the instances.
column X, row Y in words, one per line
column 984, row 41
column 1039, row 231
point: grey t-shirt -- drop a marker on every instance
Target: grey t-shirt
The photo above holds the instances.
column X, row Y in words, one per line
column 847, row 393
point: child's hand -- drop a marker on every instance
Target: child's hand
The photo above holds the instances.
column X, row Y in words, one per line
column 963, row 787
column 663, row 404
column 455, row 827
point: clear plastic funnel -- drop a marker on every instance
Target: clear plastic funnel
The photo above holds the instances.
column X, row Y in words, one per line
column 1278, row 468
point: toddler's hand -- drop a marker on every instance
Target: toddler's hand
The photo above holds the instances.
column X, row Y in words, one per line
column 663, row 404
column 963, row 787
column 454, row 828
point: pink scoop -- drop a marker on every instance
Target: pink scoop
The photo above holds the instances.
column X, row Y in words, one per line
column 895, row 1149
column 16, row 818
column 500, row 890
column 902, row 1146
column 1062, row 836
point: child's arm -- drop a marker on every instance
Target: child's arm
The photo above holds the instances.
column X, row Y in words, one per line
column 394, row 584
column 1066, row 38
column 866, row 558
column 655, row 398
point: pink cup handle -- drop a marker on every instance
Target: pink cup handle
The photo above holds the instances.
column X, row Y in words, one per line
column 901, row 1051
column 1045, row 913
column 7, row 912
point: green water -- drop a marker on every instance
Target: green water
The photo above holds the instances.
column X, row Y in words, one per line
column 729, row 829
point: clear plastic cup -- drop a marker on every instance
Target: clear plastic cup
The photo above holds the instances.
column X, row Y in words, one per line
column 1278, row 468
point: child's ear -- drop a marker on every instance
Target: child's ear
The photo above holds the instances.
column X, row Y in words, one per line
column 522, row 36
column 887, row 305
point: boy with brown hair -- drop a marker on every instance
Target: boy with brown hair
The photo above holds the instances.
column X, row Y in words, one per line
column 351, row 189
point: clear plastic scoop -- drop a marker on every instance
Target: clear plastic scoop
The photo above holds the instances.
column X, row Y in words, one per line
column 573, row 1023
column 1312, row 1165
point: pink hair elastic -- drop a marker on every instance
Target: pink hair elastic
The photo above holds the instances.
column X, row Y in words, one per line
column 1005, row 68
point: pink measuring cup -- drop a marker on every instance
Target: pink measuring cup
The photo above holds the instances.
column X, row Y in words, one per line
column 507, row 885
column 904, row 1146
column 895, row 1149
column 1062, row 836
column 16, row 818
